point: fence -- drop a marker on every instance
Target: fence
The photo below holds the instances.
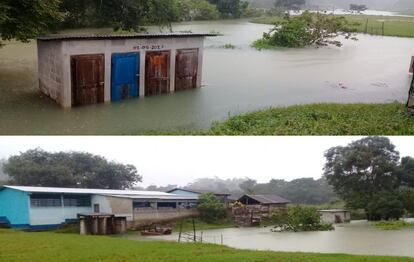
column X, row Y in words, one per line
column 374, row 28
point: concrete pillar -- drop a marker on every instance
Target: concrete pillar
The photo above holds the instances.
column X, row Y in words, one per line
column 95, row 226
column 200, row 65
column 142, row 74
column 67, row 80
column 173, row 54
column 107, row 70
column 104, row 226
column 82, row 225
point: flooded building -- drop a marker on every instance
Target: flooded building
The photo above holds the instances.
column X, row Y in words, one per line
column 264, row 203
column 224, row 197
column 42, row 208
column 82, row 70
column 335, row 216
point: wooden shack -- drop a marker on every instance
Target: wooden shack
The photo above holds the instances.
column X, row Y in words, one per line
column 335, row 216
column 82, row 70
column 264, row 203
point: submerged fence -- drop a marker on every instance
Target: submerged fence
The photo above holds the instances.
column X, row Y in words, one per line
column 376, row 28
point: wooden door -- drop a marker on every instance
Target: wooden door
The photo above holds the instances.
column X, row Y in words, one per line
column 186, row 68
column 157, row 73
column 88, row 74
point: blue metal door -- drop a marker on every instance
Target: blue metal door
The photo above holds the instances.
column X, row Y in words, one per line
column 125, row 76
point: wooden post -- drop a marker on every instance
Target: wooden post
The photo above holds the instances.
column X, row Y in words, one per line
column 194, row 230
column 221, row 239
column 201, row 237
column 181, row 229
column 366, row 26
column 383, row 27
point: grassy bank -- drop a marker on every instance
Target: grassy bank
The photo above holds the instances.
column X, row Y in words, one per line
column 393, row 25
column 200, row 225
column 321, row 119
column 20, row 246
column 393, row 225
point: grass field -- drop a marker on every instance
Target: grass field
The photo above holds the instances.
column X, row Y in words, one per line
column 393, row 225
column 321, row 119
column 393, row 25
column 21, row 246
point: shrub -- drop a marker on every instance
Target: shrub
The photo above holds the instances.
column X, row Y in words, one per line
column 211, row 209
column 299, row 218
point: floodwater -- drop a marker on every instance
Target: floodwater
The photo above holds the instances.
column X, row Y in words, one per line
column 373, row 69
column 357, row 238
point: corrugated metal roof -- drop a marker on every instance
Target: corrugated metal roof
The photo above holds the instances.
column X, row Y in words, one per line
column 114, row 36
column 269, row 199
column 160, row 197
column 88, row 191
column 199, row 191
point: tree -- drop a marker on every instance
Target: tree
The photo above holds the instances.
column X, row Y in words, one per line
column 363, row 174
column 69, row 169
column 308, row 29
column 407, row 171
column 118, row 14
column 188, row 10
column 290, row 4
column 230, row 8
column 248, row 186
column 298, row 218
column 357, row 8
column 23, row 20
column 210, row 208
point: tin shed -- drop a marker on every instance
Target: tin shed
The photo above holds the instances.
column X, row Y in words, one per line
column 82, row 70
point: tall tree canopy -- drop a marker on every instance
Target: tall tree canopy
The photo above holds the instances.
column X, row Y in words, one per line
column 25, row 19
column 69, row 169
column 364, row 175
column 290, row 4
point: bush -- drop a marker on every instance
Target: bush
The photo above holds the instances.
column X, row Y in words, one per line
column 308, row 29
column 211, row 209
column 299, row 218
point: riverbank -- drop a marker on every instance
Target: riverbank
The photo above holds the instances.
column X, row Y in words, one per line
column 21, row 246
column 187, row 225
column 393, row 25
column 315, row 119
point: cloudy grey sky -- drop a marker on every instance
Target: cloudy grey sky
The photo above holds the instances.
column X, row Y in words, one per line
column 180, row 160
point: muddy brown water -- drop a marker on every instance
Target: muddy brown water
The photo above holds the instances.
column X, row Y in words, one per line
column 357, row 238
column 374, row 69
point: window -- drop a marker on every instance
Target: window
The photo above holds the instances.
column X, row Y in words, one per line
column 76, row 201
column 45, row 200
column 142, row 204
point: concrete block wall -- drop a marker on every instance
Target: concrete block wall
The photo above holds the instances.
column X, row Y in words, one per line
column 55, row 69
column 51, row 69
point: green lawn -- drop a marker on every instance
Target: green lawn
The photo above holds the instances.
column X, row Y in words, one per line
column 21, row 246
column 393, row 25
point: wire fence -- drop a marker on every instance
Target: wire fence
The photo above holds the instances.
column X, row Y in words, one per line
column 377, row 28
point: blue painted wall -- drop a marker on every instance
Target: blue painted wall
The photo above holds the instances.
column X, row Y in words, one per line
column 14, row 205
column 184, row 193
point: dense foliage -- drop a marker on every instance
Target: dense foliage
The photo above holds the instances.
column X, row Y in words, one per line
column 23, row 20
column 69, row 169
column 367, row 174
column 307, row 29
column 290, row 4
column 357, row 7
column 210, row 208
column 297, row 219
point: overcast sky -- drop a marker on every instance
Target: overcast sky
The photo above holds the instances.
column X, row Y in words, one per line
column 180, row 160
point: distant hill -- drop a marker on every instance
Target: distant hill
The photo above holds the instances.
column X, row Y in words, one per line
column 391, row 5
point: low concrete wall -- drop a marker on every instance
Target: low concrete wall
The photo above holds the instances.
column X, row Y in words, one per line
column 149, row 216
